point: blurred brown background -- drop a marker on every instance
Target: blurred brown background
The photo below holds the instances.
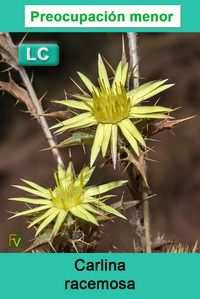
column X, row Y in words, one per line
column 175, row 179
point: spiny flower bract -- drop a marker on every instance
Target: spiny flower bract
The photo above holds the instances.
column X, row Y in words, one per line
column 70, row 195
column 111, row 107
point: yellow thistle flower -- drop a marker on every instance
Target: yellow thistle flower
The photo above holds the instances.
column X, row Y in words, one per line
column 111, row 107
column 71, row 195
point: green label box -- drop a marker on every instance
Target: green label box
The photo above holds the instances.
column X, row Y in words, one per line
column 38, row 54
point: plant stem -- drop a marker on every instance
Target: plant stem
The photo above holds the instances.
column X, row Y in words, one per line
column 41, row 119
column 134, row 66
column 8, row 51
column 134, row 59
column 146, row 217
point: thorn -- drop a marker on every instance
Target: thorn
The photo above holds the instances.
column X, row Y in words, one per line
column 73, row 244
column 154, row 140
column 172, row 132
column 50, row 243
column 24, row 37
column 148, row 150
column 57, row 134
column 122, row 201
column 128, row 164
column 72, row 111
column 83, row 146
column 42, row 97
column 177, row 108
column 65, row 94
column 113, row 71
column 150, row 196
column 124, row 59
column 157, row 101
column 195, row 247
column 7, row 70
column 100, row 180
column 84, row 93
column 9, row 76
column 71, row 162
column 32, row 76
column 151, row 160
column 132, row 70
column 105, row 163
column 17, row 102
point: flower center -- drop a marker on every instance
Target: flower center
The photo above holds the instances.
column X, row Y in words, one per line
column 110, row 106
column 66, row 197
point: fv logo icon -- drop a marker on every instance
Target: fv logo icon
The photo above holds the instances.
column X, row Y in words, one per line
column 15, row 240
